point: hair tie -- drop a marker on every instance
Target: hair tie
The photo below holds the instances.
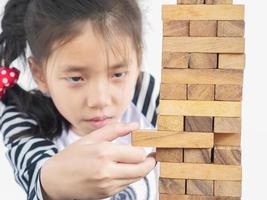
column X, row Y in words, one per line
column 8, row 78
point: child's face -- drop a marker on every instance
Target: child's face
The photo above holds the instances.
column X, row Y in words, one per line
column 88, row 91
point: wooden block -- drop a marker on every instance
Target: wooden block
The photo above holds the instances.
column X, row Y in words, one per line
column 227, row 125
column 203, row 60
column 201, row 92
column 204, row 44
column 203, row 12
column 173, row 91
column 169, row 155
column 227, row 188
column 202, row 76
column 176, row 28
column 171, row 186
column 198, row 124
column 166, row 139
column 227, row 139
column 193, row 197
column 199, row 187
column 200, row 171
column 170, row 123
column 203, row 28
column 200, row 108
column 197, row 156
column 175, row 60
column 218, row 1
column 231, row 61
column 190, row 1
column 228, row 92
column 231, row 28
column 227, row 155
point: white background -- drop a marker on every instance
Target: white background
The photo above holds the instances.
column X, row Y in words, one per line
column 254, row 120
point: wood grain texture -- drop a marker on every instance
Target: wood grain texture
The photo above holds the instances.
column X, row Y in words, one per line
column 203, row 28
column 227, row 188
column 199, row 187
column 197, row 156
column 227, row 139
column 202, row 76
column 170, row 123
column 169, row 155
column 173, row 91
column 166, row 139
column 204, row 44
column 171, row 186
column 203, row 12
column 175, row 60
column 228, row 92
column 190, row 1
column 198, row 124
column 227, row 125
column 218, row 2
column 231, row 61
column 201, row 92
column 231, row 28
column 203, row 60
column 227, row 155
column 200, row 171
column 176, row 28
column 194, row 197
column 200, row 108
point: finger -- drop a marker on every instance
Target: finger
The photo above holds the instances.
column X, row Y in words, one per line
column 123, row 170
column 110, row 132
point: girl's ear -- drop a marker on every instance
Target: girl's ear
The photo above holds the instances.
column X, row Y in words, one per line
column 38, row 74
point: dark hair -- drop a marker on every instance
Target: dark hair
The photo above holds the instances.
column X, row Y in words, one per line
column 41, row 23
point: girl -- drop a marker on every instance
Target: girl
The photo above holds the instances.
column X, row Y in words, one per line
column 72, row 141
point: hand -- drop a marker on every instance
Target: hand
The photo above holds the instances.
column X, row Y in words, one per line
column 94, row 167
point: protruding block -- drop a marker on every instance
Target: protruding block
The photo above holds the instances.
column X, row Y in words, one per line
column 231, row 61
column 227, row 188
column 167, row 139
column 203, row 28
column 200, row 171
column 228, row 93
column 170, row 123
column 231, row 28
column 173, row 91
column 175, row 60
column 171, row 186
column 202, row 76
column 193, row 197
column 198, row 124
column 190, row 1
column 203, row 12
column 227, row 155
column 199, row 187
column 218, row 1
column 203, row 60
column 204, row 44
column 169, row 155
column 197, row 156
column 227, row 139
column 200, row 108
column 176, row 28
column 201, row 92
column 227, row 125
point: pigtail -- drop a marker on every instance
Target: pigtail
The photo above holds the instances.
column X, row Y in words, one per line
column 13, row 45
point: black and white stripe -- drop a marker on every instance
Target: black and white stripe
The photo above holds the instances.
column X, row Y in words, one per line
column 27, row 153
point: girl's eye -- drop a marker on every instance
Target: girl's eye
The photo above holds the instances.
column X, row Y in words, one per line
column 74, row 79
column 119, row 75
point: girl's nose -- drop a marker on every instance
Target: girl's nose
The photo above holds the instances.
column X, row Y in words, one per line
column 98, row 94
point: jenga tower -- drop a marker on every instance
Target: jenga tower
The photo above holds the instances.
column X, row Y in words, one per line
column 199, row 126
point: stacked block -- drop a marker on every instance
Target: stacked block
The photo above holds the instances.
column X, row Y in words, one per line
column 199, row 125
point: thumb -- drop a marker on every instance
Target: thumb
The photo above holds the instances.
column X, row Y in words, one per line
column 110, row 132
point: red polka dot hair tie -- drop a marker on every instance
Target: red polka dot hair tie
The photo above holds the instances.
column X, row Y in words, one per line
column 8, row 78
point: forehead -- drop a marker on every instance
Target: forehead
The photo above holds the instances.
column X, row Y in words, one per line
column 92, row 49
